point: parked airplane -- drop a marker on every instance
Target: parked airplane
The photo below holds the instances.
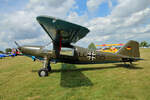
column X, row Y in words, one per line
column 63, row 34
column 3, row 55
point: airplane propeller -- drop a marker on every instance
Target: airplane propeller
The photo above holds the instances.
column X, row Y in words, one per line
column 17, row 44
column 31, row 49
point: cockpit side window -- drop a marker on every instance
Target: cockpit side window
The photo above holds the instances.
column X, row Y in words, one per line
column 67, row 51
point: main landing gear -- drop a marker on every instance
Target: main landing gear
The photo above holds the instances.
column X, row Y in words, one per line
column 46, row 68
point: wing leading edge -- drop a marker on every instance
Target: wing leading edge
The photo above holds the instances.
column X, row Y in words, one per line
column 62, row 30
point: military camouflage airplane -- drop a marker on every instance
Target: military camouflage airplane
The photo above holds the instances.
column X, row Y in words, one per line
column 63, row 34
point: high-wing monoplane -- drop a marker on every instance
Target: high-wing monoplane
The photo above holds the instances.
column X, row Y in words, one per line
column 63, row 34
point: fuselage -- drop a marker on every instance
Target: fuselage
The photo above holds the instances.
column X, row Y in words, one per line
column 79, row 55
column 86, row 56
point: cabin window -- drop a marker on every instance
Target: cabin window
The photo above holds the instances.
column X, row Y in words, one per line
column 79, row 54
column 67, row 51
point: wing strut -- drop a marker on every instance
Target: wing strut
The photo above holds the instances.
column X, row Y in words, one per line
column 57, row 45
column 60, row 40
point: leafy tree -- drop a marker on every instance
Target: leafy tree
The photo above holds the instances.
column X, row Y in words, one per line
column 7, row 50
column 92, row 46
column 143, row 44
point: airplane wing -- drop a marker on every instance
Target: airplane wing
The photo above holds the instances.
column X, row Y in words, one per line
column 62, row 30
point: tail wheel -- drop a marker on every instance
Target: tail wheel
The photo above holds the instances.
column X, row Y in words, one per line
column 43, row 72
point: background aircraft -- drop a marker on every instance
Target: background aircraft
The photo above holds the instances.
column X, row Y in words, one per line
column 14, row 52
column 3, row 55
column 63, row 34
column 113, row 48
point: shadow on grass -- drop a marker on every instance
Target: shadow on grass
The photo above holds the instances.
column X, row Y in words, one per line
column 72, row 68
column 128, row 66
column 73, row 78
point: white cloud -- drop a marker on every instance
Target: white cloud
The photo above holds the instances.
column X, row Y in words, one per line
column 124, row 23
column 93, row 5
column 137, row 18
column 22, row 25
column 75, row 18
column 57, row 8
column 126, row 8
column 110, row 4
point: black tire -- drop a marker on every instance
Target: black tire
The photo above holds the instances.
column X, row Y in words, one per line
column 43, row 72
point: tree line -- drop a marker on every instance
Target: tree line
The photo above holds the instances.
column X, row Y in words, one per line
column 7, row 50
column 144, row 44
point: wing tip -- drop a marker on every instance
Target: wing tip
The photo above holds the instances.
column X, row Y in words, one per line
column 45, row 16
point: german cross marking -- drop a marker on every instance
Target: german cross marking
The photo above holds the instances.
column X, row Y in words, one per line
column 91, row 55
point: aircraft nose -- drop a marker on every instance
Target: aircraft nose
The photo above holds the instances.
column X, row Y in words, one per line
column 31, row 50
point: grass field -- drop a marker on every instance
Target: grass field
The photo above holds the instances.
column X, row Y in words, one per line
column 20, row 81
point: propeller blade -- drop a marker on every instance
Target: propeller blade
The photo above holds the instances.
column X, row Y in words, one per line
column 17, row 44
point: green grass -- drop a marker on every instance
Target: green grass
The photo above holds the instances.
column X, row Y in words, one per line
column 20, row 81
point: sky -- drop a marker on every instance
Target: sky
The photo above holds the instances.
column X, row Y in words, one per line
column 109, row 21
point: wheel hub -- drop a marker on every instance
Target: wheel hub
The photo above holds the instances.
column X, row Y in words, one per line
column 43, row 73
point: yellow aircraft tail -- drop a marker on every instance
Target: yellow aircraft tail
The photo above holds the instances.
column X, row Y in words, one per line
column 131, row 49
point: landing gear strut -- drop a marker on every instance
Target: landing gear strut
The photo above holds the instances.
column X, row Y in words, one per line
column 130, row 62
column 46, row 68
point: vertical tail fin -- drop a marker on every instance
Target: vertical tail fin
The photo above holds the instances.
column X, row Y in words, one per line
column 131, row 49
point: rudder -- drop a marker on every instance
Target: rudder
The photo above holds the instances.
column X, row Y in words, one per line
column 131, row 49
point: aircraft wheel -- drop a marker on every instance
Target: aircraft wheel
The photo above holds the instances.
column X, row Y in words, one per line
column 43, row 72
